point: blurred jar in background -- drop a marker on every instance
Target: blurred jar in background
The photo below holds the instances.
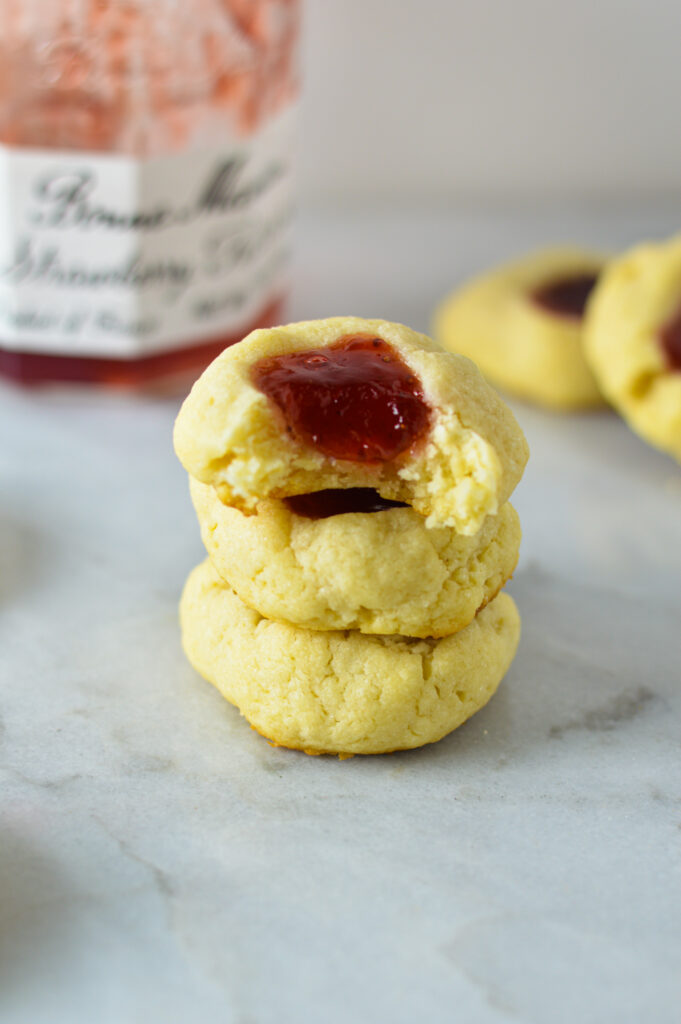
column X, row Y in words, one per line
column 145, row 182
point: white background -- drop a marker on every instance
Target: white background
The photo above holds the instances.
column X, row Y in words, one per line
column 431, row 101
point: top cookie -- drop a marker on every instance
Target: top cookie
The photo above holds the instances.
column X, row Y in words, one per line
column 347, row 402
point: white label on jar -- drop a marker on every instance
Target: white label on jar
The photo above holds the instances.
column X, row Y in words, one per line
column 104, row 255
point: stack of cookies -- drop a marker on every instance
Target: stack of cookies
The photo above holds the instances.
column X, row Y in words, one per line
column 351, row 482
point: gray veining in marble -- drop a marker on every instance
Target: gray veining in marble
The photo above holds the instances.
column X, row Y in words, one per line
column 160, row 863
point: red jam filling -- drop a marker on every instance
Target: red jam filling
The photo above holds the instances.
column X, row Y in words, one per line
column 670, row 341
column 323, row 504
column 355, row 400
column 566, row 296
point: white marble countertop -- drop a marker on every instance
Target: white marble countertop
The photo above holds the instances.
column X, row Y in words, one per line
column 160, row 863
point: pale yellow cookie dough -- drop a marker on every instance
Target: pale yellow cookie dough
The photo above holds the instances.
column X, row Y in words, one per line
column 520, row 346
column 229, row 435
column 636, row 297
column 382, row 572
column 343, row 693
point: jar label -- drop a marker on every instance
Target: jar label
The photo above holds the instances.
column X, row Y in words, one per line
column 106, row 255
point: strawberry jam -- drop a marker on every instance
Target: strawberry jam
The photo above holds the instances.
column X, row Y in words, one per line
column 323, row 504
column 670, row 341
column 355, row 400
column 566, row 296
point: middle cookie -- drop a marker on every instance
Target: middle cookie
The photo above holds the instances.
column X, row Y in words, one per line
column 379, row 572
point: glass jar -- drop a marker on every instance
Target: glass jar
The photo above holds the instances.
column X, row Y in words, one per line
column 145, row 182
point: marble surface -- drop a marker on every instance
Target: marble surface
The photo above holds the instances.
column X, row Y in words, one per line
column 159, row 862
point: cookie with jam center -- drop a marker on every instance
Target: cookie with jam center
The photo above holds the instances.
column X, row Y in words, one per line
column 349, row 403
column 342, row 560
column 523, row 324
column 633, row 341
column 343, row 692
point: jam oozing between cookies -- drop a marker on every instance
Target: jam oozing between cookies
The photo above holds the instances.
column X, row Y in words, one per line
column 332, row 502
column 566, row 296
column 670, row 341
column 355, row 400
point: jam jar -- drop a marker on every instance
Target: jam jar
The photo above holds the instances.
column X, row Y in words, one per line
column 145, row 182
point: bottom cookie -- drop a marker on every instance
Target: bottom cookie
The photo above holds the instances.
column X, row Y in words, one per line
column 343, row 692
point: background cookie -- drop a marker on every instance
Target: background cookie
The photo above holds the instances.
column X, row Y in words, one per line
column 467, row 453
column 383, row 572
column 633, row 340
column 343, row 692
column 522, row 324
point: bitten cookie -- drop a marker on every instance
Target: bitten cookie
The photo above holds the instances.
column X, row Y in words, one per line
column 343, row 693
column 378, row 572
column 522, row 324
column 344, row 403
column 633, row 341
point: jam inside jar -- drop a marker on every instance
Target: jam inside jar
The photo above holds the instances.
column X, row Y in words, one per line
column 355, row 400
column 566, row 296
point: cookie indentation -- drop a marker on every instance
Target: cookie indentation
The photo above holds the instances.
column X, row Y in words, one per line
column 670, row 340
column 355, row 400
column 566, row 296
